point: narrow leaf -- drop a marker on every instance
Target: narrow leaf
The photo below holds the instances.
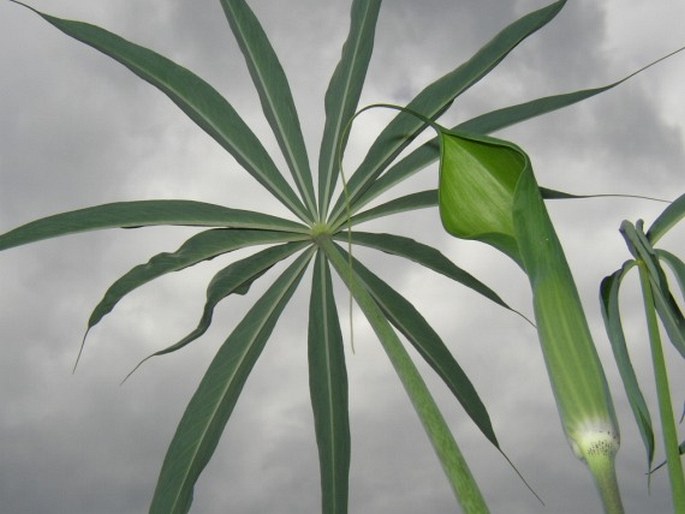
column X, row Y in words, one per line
column 429, row 198
column 426, row 256
column 200, row 101
column 667, row 219
column 342, row 95
column 410, row 202
column 206, row 415
column 609, row 302
column 274, row 92
column 668, row 309
column 236, row 278
column 201, row 247
column 404, row 316
column 437, row 97
column 144, row 213
column 677, row 267
column 454, row 465
column 328, row 390
column 491, row 122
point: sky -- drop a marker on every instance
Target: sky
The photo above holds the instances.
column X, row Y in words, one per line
column 77, row 129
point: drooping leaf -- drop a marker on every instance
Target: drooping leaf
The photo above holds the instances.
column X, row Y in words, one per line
column 144, row 213
column 676, row 264
column 666, row 306
column 609, row 302
column 204, row 419
column 274, row 92
column 196, row 98
column 236, row 278
column 667, row 219
column 436, row 98
column 342, row 95
column 328, row 391
column 201, row 247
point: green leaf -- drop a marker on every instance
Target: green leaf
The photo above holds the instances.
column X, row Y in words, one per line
column 426, row 256
column 410, row 202
column 201, row 247
column 455, row 467
column 609, row 302
column 677, row 266
column 429, row 198
column 486, row 124
column 681, row 450
column 342, row 95
column 328, row 390
column 667, row 219
column 200, row 101
column 236, row 278
column 274, row 92
column 508, row 116
column 144, row 213
column 436, row 98
column 204, row 419
column 404, row 316
column 666, row 306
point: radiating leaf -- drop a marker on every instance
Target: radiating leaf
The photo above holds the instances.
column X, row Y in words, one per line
column 144, row 213
column 201, row 247
column 486, row 124
column 342, row 95
column 437, row 97
column 328, row 391
column 404, row 316
column 204, row 419
column 429, row 198
column 274, row 92
column 424, row 255
column 200, row 101
column 455, row 467
column 667, row 219
column 609, row 302
column 410, row 202
column 236, row 278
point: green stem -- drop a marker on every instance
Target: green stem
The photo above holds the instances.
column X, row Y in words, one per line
column 668, row 424
column 604, row 473
column 454, row 465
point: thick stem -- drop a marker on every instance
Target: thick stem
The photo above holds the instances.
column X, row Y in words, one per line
column 604, row 472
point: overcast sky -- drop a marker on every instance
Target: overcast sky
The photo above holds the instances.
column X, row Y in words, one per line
column 77, row 129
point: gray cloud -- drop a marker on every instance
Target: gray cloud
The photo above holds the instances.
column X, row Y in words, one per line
column 76, row 130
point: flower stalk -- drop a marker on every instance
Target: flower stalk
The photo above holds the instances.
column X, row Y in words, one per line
column 488, row 193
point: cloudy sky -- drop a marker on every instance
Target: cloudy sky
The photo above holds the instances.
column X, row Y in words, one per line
column 78, row 130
